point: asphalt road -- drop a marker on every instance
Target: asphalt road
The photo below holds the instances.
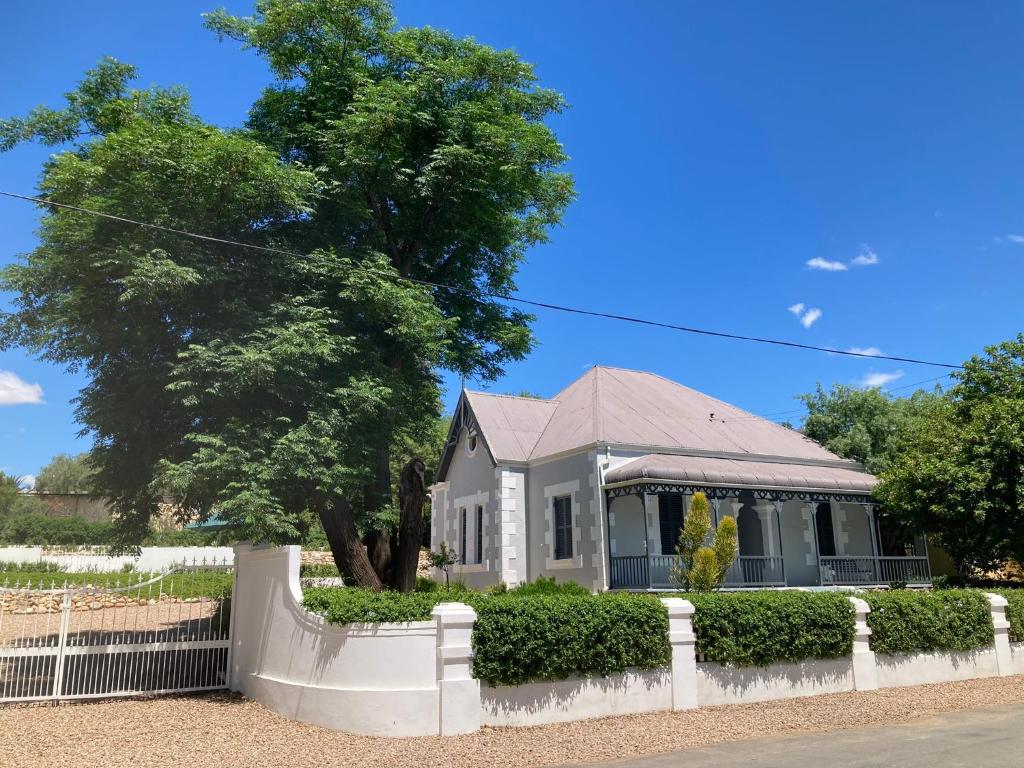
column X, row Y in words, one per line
column 987, row 738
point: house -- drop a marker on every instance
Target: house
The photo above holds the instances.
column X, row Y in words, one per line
column 593, row 486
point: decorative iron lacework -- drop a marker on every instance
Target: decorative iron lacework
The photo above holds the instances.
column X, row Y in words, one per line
column 716, row 492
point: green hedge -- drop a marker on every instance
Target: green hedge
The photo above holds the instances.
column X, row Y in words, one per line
column 1014, row 610
column 519, row 638
column 755, row 629
column 904, row 621
column 523, row 637
column 42, row 530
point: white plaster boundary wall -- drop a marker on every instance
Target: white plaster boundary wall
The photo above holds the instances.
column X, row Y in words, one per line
column 416, row 678
column 377, row 679
column 93, row 559
column 562, row 701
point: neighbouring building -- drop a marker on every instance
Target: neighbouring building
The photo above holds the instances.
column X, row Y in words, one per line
column 593, row 486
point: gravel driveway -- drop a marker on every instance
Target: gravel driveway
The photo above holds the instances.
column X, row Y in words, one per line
column 222, row 731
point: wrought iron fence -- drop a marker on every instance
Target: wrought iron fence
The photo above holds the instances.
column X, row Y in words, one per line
column 106, row 635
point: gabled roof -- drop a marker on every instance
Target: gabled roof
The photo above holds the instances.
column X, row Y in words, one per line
column 511, row 426
column 619, row 407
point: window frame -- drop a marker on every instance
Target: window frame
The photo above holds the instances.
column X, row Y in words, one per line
column 479, row 534
column 561, row 506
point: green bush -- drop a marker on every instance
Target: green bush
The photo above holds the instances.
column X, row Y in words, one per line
column 349, row 605
column 755, row 629
column 38, row 529
column 548, row 586
column 319, row 571
column 519, row 638
column 945, row 620
column 1014, row 611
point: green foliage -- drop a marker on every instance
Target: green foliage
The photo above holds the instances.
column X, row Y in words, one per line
column 11, row 488
column 947, row 620
column 960, row 474
column 755, row 629
column 1014, row 611
column 519, row 638
column 272, row 387
column 698, row 567
column 66, row 474
column 548, row 586
column 862, row 424
column 349, row 605
column 319, row 571
column 444, row 559
column 41, row 530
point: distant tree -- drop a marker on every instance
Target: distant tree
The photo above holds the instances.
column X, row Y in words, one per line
column 958, row 473
column 865, row 425
column 66, row 474
column 528, row 394
column 10, row 490
column 701, row 568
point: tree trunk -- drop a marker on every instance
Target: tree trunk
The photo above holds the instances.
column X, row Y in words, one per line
column 376, row 496
column 411, row 495
column 349, row 552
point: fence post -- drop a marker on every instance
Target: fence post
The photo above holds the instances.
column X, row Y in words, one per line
column 684, row 656
column 1004, row 659
column 865, row 673
column 459, row 692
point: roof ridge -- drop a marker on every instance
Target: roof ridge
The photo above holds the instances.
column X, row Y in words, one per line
column 598, row 416
column 511, row 397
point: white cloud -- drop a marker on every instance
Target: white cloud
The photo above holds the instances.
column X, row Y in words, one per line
column 1015, row 239
column 829, row 266
column 866, row 257
column 15, row 391
column 797, row 309
column 874, row 380
column 871, row 351
column 810, row 317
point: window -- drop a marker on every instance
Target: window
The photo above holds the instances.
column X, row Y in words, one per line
column 479, row 533
column 826, row 533
column 670, row 518
column 462, row 534
column 563, row 527
column 471, row 442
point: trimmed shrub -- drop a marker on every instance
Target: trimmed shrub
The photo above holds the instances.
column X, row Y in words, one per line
column 349, row 605
column 1014, row 611
column 319, row 571
column 755, row 629
column 946, row 620
column 523, row 637
column 519, row 638
column 38, row 529
column 548, row 586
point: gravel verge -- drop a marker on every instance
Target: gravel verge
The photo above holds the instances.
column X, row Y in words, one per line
column 223, row 731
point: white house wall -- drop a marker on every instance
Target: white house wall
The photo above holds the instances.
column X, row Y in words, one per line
column 471, row 481
column 576, row 476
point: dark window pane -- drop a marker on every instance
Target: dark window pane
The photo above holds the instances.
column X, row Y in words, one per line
column 563, row 527
column 479, row 534
column 462, row 548
column 826, row 533
column 670, row 519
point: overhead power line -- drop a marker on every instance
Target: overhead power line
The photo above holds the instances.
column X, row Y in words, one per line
column 490, row 294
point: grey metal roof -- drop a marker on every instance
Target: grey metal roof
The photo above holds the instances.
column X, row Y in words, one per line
column 702, row 470
column 511, row 426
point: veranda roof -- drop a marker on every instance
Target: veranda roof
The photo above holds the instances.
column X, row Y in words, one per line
column 740, row 473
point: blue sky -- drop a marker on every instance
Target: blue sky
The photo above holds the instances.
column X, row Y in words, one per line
column 717, row 147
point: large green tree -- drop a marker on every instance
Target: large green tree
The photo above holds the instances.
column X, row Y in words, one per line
column 959, row 472
column 269, row 386
column 866, row 425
